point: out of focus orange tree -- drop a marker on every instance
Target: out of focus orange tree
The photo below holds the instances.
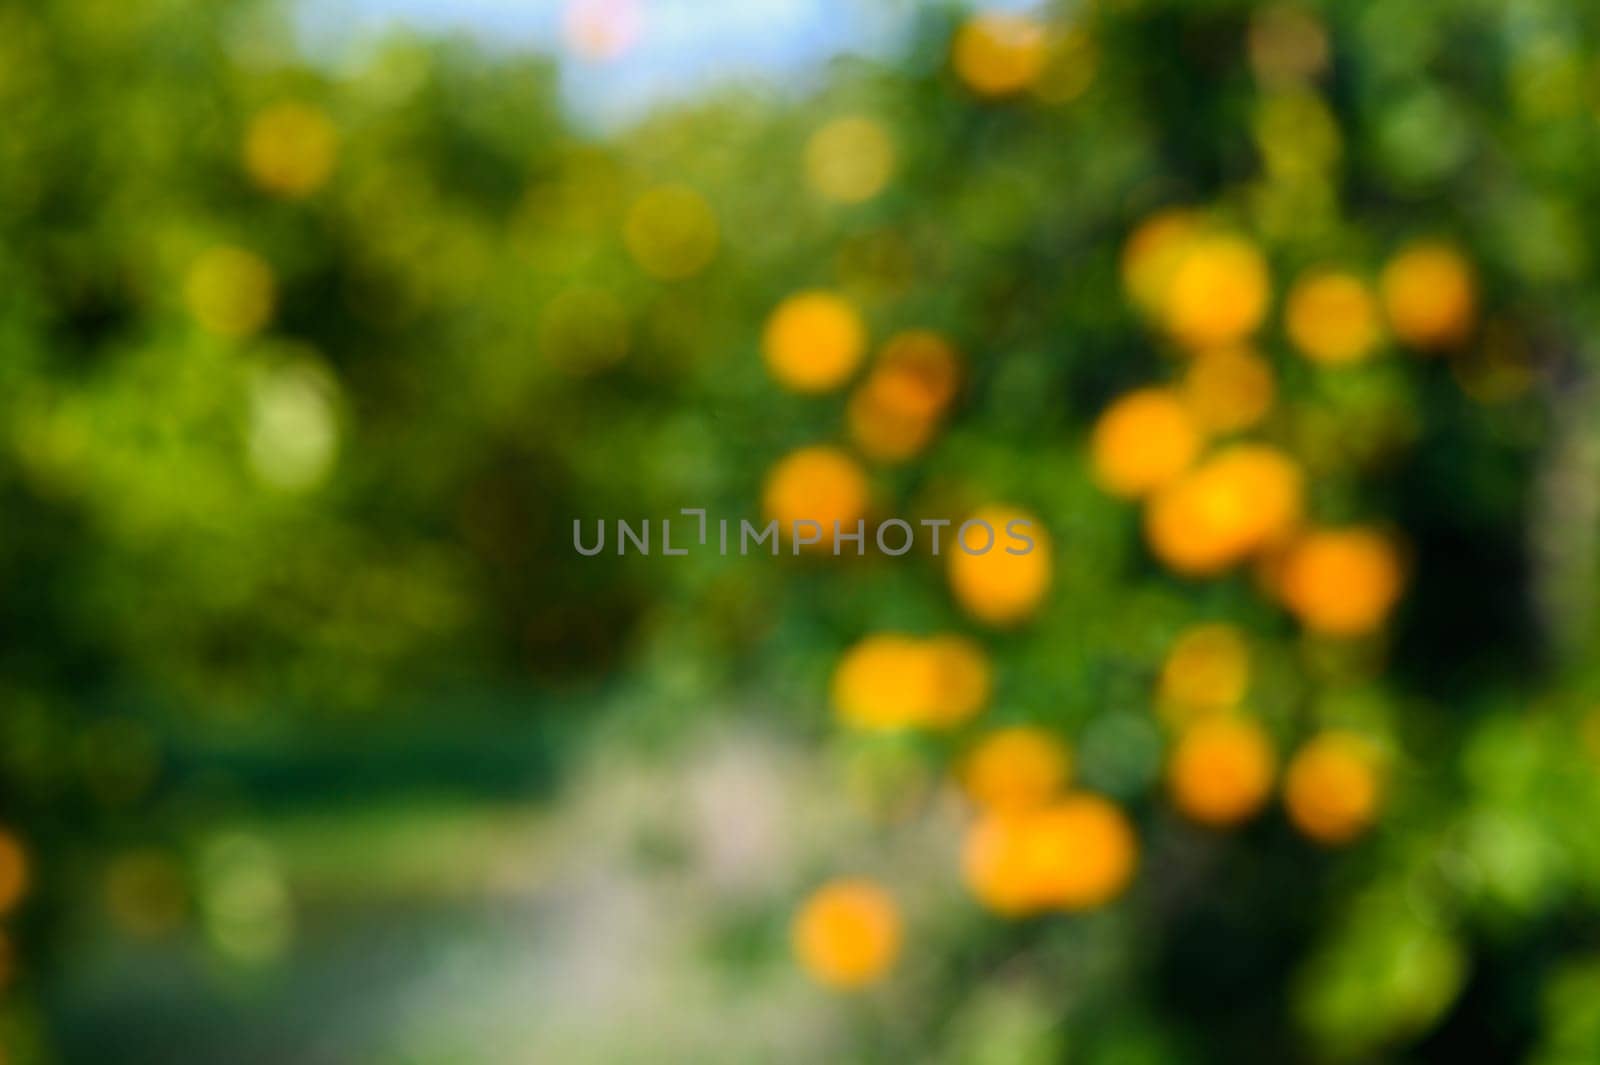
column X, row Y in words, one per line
column 1277, row 320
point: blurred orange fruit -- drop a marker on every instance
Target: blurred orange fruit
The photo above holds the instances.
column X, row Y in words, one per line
column 996, row 863
column 290, row 149
column 998, row 587
column 999, row 53
column 1237, row 502
column 847, row 935
column 1083, row 850
column 885, row 681
column 1332, row 789
column 1332, row 317
column 1076, row 853
column 819, row 484
column 895, row 411
column 963, row 680
column 1143, row 440
column 923, row 368
column 893, row 681
column 1016, row 768
column 1206, row 671
column 882, row 429
column 1228, row 389
column 1340, row 582
column 1218, row 292
column 1151, row 255
column 813, row 341
column 14, row 875
column 1221, row 770
column 1430, row 294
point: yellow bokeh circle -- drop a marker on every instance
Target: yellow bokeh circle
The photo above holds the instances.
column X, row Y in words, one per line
column 894, row 413
column 885, row 681
column 671, row 232
column 1076, row 853
column 290, row 149
column 1218, row 292
column 1332, row 317
column 813, row 341
column 1430, row 294
column 1142, row 441
column 892, row 681
column 999, row 53
column 1016, row 768
column 1239, row 501
column 963, row 681
column 1206, row 671
column 230, row 291
column 816, row 484
column 1333, row 788
column 1221, row 770
column 1152, row 252
column 1228, row 389
column 1341, row 582
column 998, row 587
column 848, row 934
column 850, row 159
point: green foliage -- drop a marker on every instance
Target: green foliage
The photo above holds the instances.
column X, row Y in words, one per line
column 309, row 580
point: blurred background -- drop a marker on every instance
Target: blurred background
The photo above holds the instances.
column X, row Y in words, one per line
column 322, row 323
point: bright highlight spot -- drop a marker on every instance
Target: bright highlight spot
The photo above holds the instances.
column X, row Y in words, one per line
column 1332, row 317
column 997, row 587
column 893, row 681
column 1430, row 294
column 1142, row 441
column 1221, row 770
column 1151, row 255
column 1218, row 292
column 294, row 434
column 1244, row 498
column 847, row 935
column 999, row 53
column 1341, row 582
column 1017, row 768
column 819, row 484
column 813, row 342
column 1075, row 854
column 1333, row 789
